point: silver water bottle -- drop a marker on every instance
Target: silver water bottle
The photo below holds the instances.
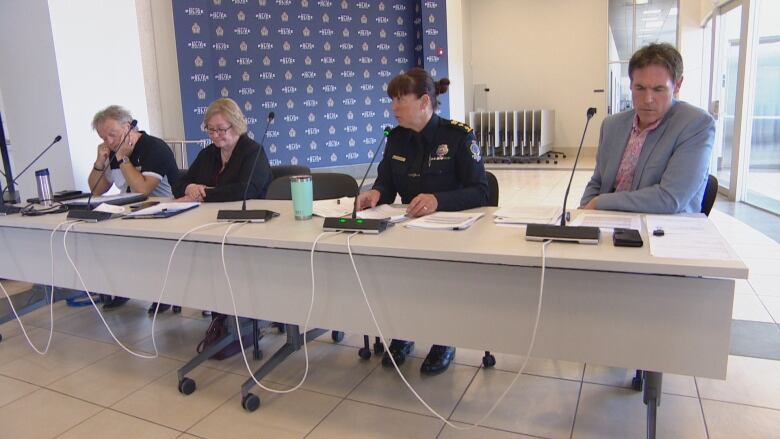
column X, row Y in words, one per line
column 44, row 186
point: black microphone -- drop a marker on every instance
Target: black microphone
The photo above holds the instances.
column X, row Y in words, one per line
column 355, row 224
column 7, row 210
column 581, row 234
column 87, row 214
column 251, row 216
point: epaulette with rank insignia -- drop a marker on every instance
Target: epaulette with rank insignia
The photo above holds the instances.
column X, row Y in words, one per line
column 461, row 125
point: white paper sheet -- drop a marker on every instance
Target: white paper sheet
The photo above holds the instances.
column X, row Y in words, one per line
column 333, row 208
column 445, row 221
column 686, row 238
column 527, row 215
column 609, row 222
column 384, row 211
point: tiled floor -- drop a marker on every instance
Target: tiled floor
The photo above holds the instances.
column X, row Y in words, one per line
column 88, row 387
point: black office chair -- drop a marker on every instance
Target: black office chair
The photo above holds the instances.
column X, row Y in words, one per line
column 707, row 201
column 288, row 170
column 325, row 186
column 488, row 360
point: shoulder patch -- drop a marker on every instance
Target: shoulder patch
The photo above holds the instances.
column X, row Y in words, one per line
column 461, row 125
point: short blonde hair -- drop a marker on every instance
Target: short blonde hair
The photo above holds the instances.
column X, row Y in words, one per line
column 113, row 112
column 230, row 110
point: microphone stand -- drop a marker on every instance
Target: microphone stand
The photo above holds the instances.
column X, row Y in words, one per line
column 355, row 224
column 562, row 232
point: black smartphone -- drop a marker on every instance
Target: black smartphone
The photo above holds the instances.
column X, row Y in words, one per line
column 626, row 238
column 143, row 205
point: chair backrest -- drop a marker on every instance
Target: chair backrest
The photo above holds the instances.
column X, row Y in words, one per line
column 710, row 192
column 492, row 189
column 288, row 170
column 326, row 185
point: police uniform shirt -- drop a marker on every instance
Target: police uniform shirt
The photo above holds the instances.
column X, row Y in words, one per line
column 443, row 159
column 152, row 158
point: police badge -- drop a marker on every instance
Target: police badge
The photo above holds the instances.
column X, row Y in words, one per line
column 442, row 150
column 475, row 151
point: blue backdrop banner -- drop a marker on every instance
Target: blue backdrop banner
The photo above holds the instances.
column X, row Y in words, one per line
column 322, row 66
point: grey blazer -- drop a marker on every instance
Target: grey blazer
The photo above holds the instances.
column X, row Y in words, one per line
column 672, row 169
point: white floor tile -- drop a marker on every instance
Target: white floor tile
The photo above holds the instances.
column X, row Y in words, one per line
column 333, row 369
column 354, row 420
column 66, row 355
column 568, row 370
column 109, row 424
column 478, row 433
column 612, row 412
column 728, row 421
column 43, row 414
column 772, row 303
column 287, row 416
column 12, row 389
column 749, row 381
column 749, row 307
column 160, row 401
column 384, row 387
column 534, row 406
column 113, row 378
column 765, row 285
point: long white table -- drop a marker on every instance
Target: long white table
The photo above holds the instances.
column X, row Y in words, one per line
column 476, row 288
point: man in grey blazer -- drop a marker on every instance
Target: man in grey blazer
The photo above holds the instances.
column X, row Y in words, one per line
column 655, row 157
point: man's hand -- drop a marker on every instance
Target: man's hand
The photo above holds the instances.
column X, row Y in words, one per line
column 367, row 199
column 102, row 156
column 194, row 192
column 422, row 204
column 125, row 149
column 592, row 204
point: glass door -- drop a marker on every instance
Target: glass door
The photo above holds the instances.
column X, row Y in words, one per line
column 724, row 87
column 763, row 174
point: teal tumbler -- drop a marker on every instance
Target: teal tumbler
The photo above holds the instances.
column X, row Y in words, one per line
column 302, row 196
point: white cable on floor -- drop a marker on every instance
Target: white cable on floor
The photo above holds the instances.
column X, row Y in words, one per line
column 305, row 325
column 168, row 271
column 165, row 282
column 403, row 378
column 51, row 299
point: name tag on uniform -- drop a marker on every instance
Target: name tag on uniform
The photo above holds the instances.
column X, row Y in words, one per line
column 399, row 158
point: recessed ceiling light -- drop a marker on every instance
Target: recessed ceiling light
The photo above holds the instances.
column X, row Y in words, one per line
column 653, row 24
column 651, row 11
column 641, row 2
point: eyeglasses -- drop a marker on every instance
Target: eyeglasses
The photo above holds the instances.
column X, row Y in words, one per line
column 213, row 131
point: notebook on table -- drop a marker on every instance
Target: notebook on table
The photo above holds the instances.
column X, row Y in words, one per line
column 116, row 200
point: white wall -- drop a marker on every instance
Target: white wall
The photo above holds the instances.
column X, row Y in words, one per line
column 691, row 47
column 31, row 93
column 99, row 61
column 542, row 54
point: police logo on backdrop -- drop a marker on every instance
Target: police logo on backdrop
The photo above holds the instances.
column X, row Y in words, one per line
column 284, row 36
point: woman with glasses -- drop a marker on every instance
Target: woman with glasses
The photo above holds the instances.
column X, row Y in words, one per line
column 221, row 170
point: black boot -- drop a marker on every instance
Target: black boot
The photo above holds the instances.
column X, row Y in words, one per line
column 399, row 349
column 163, row 307
column 115, row 303
column 438, row 360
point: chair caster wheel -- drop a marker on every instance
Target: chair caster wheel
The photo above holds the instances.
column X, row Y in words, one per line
column 364, row 353
column 1, row 337
column 337, row 336
column 250, row 402
column 488, row 361
column 379, row 348
column 257, row 355
column 176, row 309
column 187, row 386
column 205, row 313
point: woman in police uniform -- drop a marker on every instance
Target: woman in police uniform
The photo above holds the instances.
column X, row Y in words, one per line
column 434, row 164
